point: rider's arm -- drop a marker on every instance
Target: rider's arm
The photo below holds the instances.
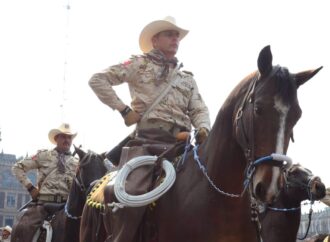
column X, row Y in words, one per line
column 20, row 169
column 102, row 83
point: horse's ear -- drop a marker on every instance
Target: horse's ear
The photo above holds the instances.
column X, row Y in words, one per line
column 304, row 76
column 103, row 155
column 79, row 151
column 265, row 60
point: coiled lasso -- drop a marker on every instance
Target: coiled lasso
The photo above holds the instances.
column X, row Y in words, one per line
column 144, row 199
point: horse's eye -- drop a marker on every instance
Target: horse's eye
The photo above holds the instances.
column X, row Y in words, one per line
column 257, row 110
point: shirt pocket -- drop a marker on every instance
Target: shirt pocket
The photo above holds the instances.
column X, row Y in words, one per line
column 183, row 94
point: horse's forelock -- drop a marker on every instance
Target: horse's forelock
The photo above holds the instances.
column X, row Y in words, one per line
column 286, row 86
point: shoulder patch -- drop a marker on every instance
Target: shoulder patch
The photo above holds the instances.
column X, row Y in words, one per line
column 188, row 72
column 126, row 63
column 35, row 157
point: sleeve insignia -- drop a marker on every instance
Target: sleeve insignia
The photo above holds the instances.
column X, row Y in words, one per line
column 126, row 63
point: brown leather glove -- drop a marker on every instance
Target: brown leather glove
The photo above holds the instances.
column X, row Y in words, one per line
column 201, row 135
column 34, row 192
column 130, row 116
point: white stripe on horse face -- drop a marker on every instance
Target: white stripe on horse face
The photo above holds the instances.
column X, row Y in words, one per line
column 283, row 112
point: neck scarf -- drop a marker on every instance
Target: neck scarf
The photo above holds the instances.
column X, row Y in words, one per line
column 158, row 58
column 61, row 160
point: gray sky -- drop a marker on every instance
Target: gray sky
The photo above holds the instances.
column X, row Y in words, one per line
column 48, row 54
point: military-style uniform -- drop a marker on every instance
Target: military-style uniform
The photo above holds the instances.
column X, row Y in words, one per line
column 53, row 184
column 183, row 106
column 50, row 180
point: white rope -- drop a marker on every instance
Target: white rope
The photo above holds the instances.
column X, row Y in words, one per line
column 141, row 200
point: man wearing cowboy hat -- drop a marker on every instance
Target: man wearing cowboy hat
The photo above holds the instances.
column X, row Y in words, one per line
column 149, row 76
column 56, row 170
column 5, row 234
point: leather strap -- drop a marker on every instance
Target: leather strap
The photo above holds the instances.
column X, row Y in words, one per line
column 163, row 93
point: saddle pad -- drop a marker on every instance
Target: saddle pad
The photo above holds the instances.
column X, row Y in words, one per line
column 95, row 198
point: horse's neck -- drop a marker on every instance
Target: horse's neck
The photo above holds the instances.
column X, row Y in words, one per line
column 289, row 199
column 222, row 154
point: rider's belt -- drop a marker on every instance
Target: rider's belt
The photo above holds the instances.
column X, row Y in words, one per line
column 159, row 124
column 52, row 198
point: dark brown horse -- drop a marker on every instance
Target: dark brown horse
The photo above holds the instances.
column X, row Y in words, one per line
column 91, row 167
column 256, row 120
column 280, row 221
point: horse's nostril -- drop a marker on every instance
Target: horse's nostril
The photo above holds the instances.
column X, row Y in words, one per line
column 319, row 190
column 260, row 191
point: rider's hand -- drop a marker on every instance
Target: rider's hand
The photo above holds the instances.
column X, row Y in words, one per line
column 130, row 116
column 201, row 135
column 34, row 192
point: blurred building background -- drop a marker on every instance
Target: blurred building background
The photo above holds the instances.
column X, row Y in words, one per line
column 12, row 194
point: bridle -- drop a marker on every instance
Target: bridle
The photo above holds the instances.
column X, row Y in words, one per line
column 293, row 182
column 79, row 182
column 78, row 179
column 245, row 131
column 246, row 139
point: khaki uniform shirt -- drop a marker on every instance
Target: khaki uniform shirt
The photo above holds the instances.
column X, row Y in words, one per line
column 182, row 105
column 50, row 180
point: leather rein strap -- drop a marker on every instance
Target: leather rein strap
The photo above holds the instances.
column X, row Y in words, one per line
column 244, row 131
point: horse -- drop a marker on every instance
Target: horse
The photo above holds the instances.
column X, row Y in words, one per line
column 91, row 167
column 52, row 228
column 214, row 190
column 280, row 221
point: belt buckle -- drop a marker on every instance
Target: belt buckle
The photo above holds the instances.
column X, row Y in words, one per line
column 58, row 198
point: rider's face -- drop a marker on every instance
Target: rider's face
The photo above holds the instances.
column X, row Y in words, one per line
column 64, row 142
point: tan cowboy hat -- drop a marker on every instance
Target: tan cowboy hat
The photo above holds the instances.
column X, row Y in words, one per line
column 63, row 129
column 7, row 228
column 155, row 27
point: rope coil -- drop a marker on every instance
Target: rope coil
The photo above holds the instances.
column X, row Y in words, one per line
column 144, row 199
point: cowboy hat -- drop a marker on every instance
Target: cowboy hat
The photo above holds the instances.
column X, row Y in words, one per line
column 7, row 228
column 155, row 27
column 63, row 129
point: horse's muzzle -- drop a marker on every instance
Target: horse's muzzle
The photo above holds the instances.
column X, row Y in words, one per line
column 317, row 188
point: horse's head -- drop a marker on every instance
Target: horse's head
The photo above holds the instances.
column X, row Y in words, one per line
column 265, row 117
column 301, row 184
column 91, row 167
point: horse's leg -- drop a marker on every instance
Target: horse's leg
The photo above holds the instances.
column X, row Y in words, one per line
column 28, row 224
column 71, row 230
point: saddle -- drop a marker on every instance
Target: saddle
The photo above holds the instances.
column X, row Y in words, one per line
column 45, row 232
column 52, row 208
column 151, row 142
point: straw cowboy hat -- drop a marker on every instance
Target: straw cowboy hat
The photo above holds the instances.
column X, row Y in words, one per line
column 155, row 27
column 63, row 129
column 7, row 228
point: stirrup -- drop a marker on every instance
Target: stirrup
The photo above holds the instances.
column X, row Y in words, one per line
column 49, row 232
